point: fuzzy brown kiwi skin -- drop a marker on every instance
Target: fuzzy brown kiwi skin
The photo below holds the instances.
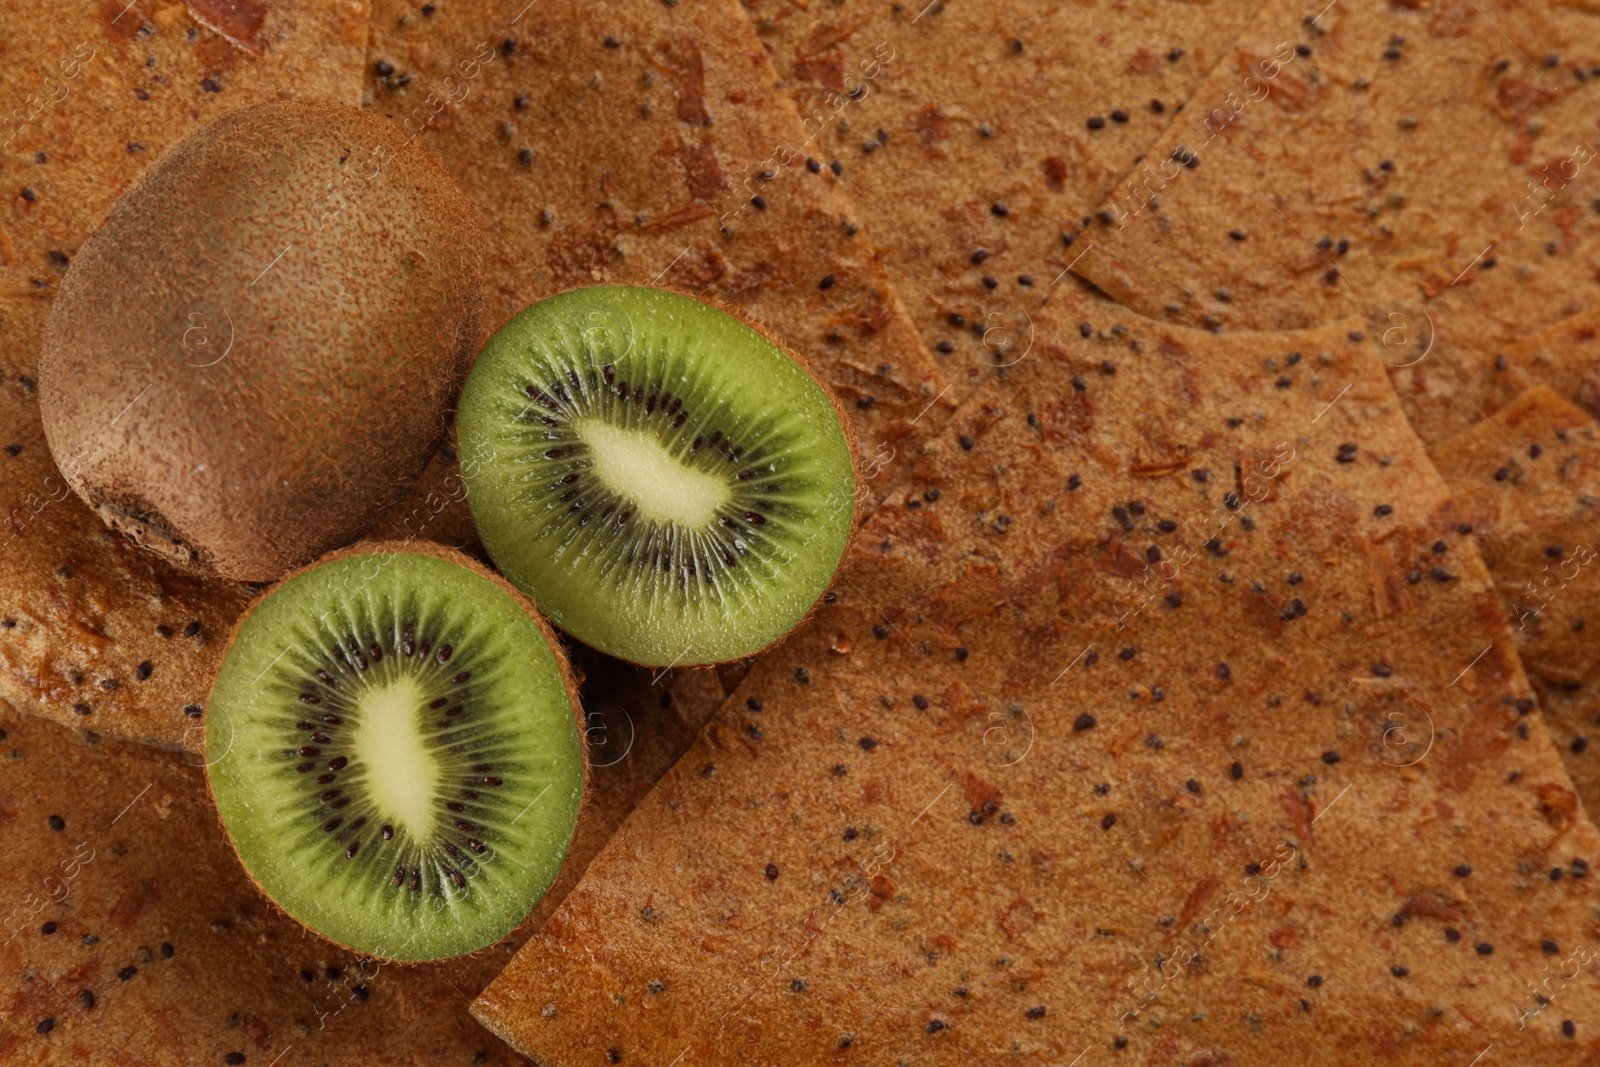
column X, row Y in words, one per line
column 856, row 517
column 266, row 441
column 568, row 679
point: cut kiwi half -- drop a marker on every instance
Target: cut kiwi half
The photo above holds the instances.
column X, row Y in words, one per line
column 395, row 747
column 670, row 485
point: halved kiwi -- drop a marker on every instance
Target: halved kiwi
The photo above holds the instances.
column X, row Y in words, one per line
column 395, row 749
column 668, row 484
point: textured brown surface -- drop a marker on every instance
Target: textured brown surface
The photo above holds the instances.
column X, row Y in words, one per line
column 1448, row 95
column 962, row 815
column 435, row 509
column 1469, row 380
column 94, row 90
column 1565, row 356
column 138, row 902
column 628, row 163
column 635, row 731
column 1529, row 484
column 962, row 134
column 275, row 391
column 1056, row 900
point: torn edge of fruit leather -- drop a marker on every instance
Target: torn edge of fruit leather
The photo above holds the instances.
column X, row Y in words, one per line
column 1447, row 396
column 642, row 144
column 93, row 92
column 975, row 139
column 1130, row 727
column 1528, row 483
column 1343, row 159
column 132, row 935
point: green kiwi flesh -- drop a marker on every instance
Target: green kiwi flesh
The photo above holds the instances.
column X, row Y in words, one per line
column 669, row 485
column 393, row 745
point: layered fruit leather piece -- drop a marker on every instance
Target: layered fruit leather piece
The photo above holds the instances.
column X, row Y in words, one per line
column 1165, row 708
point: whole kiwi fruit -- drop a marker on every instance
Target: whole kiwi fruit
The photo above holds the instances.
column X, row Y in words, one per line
column 256, row 353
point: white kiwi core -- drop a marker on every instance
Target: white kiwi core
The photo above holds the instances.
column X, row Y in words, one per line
column 636, row 466
column 400, row 772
